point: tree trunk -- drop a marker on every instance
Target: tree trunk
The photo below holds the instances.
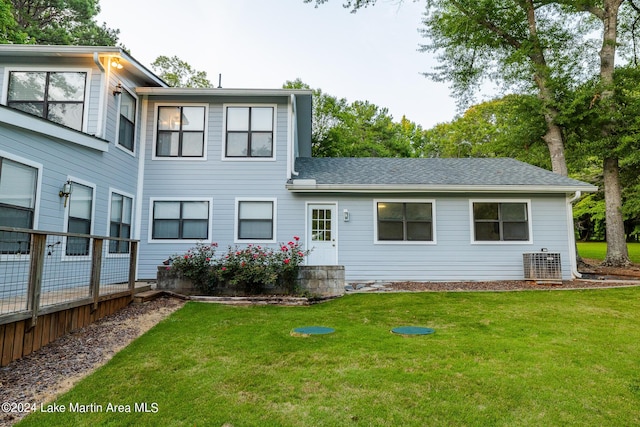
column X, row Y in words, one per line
column 553, row 138
column 617, row 253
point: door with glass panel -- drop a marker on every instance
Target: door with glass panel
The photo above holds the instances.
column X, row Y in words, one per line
column 322, row 235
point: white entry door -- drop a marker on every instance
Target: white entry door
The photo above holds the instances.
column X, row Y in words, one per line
column 322, row 234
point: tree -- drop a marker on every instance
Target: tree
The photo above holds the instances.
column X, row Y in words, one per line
column 178, row 73
column 358, row 129
column 510, row 40
column 9, row 31
column 61, row 22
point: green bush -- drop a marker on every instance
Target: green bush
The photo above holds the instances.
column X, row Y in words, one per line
column 248, row 270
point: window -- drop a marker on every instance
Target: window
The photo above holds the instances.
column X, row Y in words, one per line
column 80, row 209
column 180, row 132
column 400, row 221
column 255, row 220
column 501, row 221
column 180, row 220
column 249, row 132
column 120, row 223
column 127, row 120
column 56, row 96
column 17, row 204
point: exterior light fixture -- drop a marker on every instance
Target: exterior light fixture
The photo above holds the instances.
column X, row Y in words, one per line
column 115, row 63
column 66, row 191
column 118, row 89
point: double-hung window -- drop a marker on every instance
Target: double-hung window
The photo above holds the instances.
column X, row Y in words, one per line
column 80, row 215
column 181, row 220
column 500, row 221
column 405, row 221
column 180, row 131
column 17, row 204
column 120, row 223
column 126, row 136
column 56, row 96
column 256, row 219
column 249, row 132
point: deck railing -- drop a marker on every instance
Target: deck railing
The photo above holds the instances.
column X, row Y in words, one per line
column 45, row 271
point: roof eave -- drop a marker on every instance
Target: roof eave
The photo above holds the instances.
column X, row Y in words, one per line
column 421, row 188
column 182, row 91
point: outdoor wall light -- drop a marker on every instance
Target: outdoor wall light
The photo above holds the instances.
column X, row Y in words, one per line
column 118, row 89
column 345, row 215
column 115, row 63
column 66, row 191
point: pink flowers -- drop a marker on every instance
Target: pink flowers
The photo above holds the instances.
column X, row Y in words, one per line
column 296, row 238
column 287, row 261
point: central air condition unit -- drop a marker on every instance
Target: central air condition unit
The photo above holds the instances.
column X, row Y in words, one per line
column 543, row 267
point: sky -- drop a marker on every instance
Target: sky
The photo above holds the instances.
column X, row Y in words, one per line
column 371, row 55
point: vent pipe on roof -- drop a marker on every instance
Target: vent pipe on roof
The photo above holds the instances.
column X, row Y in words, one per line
column 220, row 81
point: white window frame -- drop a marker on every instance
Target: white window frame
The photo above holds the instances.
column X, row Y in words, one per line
column 152, row 200
column 224, row 134
column 156, row 108
column 376, row 241
column 36, row 207
column 66, row 257
column 87, row 86
column 236, row 219
column 135, row 124
column 113, row 191
column 472, row 225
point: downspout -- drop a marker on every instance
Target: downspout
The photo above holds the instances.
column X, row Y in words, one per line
column 100, row 131
column 142, row 143
column 572, row 238
column 294, row 133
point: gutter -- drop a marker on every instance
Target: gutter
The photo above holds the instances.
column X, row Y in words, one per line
column 573, row 260
column 310, row 185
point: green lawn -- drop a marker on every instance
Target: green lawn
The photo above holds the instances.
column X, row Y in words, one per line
column 598, row 250
column 537, row 358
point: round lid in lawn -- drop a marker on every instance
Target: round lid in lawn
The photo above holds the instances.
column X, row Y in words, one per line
column 412, row 330
column 312, row 330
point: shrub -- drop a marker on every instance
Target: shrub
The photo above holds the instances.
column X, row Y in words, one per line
column 197, row 264
column 249, row 269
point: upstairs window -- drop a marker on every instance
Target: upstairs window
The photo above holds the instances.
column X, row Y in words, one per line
column 126, row 134
column 249, row 132
column 55, row 96
column 399, row 221
column 17, row 204
column 120, row 223
column 500, row 221
column 180, row 132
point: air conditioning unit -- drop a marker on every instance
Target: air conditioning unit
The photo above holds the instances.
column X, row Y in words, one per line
column 542, row 267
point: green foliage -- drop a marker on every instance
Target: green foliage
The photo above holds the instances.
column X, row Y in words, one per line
column 247, row 269
column 178, row 73
column 9, row 31
column 198, row 265
column 59, row 22
column 359, row 129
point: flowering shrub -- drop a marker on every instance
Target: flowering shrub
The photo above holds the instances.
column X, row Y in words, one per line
column 196, row 264
column 247, row 269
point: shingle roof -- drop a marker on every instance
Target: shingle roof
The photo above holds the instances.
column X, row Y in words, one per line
column 428, row 173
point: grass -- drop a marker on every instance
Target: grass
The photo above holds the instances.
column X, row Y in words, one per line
column 496, row 359
column 598, row 250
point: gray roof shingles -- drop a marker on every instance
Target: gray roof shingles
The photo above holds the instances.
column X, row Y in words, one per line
column 429, row 172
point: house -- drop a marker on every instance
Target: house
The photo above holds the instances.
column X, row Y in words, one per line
column 172, row 167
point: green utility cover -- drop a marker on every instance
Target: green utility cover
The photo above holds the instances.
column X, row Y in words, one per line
column 412, row 330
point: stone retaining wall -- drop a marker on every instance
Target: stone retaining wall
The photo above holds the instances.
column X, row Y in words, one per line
column 317, row 280
column 322, row 280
